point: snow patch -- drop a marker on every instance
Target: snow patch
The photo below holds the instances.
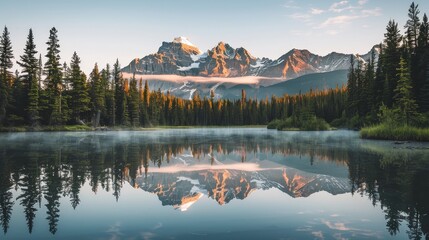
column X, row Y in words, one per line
column 198, row 57
column 183, row 40
column 193, row 65
column 186, row 206
column 259, row 183
column 192, row 181
column 258, row 64
column 191, row 93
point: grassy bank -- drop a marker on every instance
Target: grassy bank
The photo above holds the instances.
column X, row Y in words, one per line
column 295, row 124
column 65, row 128
column 400, row 133
column 81, row 128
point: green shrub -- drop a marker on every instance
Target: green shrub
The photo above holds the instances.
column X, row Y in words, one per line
column 274, row 124
column 293, row 123
column 315, row 124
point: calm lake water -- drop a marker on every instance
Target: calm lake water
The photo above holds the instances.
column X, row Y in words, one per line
column 213, row 183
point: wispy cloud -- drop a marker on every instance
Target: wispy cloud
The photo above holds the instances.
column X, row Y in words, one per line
column 343, row 19
column 338, row 20
column 339, row 14
column 336, row 226
column 291, row 4
column 340, row 6
column 316, row 11
column 371, row 12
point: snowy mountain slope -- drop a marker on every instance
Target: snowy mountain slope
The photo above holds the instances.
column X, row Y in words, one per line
column 185, row 181
column 181, row 57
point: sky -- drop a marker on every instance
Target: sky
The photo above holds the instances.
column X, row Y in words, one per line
column 105, row 30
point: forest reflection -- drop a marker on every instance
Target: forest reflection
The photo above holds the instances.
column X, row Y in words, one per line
column 57, row 167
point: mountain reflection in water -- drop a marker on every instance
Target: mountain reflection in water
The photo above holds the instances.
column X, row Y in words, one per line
column 46, row 170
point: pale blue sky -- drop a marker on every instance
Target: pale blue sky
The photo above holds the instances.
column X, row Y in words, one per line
column 103, row 30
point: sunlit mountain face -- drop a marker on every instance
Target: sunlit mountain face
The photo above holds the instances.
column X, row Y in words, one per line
column 183, row 179
column 182, row 69
column 52, row 179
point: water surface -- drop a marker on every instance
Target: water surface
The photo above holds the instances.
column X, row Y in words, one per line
column 212, row 183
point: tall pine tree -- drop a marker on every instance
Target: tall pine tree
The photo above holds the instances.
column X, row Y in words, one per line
column 391, row 56
column 403, row 96
column 29, row 65
column 6, row 56
column 133, row 103
column 53, row 81
column 79, row 92
column 97, row 95
column 412, row 26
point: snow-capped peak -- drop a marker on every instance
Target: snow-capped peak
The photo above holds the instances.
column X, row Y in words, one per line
column 183, row 40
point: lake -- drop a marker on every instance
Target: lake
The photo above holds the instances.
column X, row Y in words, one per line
column 212, row 183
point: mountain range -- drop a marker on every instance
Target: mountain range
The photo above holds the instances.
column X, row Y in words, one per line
column 191, row 69
column 186, row 180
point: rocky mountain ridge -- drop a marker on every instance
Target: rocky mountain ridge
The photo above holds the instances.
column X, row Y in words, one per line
column 181, row 57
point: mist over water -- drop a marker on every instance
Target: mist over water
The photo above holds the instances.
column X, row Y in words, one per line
column 212, row 183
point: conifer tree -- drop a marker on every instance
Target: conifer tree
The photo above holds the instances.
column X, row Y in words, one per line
column 120, row 97
column 133, row 103
column 391, row 57
column 144, row 108
column 403, row 97
column 125, row 120
column 97, row 96
column 29, row 65
column 412, row 26
column 53, row 82
column 109, row 93
column 423, row 38
column 351, row 89
column 79, row 93
column 6, row 56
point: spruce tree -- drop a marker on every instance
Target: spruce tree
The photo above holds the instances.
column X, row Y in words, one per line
column 109, row 92
column 391, row 57
column 145, row 105
column 6, row 56
column 53, row 82
column 423, row 39
column 403, row 97
column 29, row 65
column 118, row 94
column 412, row 26
column 125, row 120
column 351, row 89
column 97, row 96
column 79, row 92
column 133, row 103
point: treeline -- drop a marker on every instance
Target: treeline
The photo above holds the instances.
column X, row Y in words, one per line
column 52, row 93
column 397, row 85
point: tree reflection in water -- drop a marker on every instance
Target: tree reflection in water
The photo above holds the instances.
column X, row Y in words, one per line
column 55, row 167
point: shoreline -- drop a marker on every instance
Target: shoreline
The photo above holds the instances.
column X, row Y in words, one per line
column 84, row 128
